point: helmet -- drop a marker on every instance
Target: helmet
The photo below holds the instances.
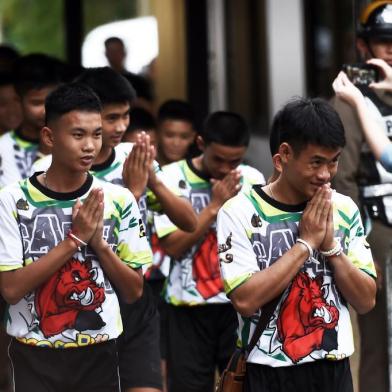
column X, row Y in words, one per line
column 376, row 20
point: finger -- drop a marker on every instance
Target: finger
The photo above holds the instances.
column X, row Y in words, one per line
column 75, row 208
column 323, row 207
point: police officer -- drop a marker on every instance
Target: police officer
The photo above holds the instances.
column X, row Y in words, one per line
column 357, row 177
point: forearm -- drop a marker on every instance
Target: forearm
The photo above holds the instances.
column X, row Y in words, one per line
column 129, row 282
column 17, row 283
column 357, row 287
column 178, row 242
column 178, row 209
column 374, row 135
column 267, row 284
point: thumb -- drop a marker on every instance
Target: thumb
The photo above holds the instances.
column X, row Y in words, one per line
column 76, row 207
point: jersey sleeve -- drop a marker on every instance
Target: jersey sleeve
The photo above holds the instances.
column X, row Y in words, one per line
column 358, row 250
column 133, row 247
column 236, row 256
column 11, row 245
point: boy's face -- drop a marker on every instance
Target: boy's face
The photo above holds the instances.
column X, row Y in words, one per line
column 379, row 48
column 115, row 121
column 174, row 139
column 33, row 107
column 75, row 139
column 218, row 159
column 10, row 110
column 311, row 168
column 115, row 53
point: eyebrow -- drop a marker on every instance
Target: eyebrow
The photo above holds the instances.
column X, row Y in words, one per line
column 319, row 157
column 84, row 131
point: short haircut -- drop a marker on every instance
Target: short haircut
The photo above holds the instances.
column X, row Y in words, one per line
column 36, row 71
column 304, row 121
column 70, row 97
column 175, row 109
column 113, row 40
column 227, row 128
column 8, row 53
column 141, row 119
column 110, row 86
column 274, row 141
column 6, row 79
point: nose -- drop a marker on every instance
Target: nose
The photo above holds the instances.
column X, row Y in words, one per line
column 324, row 174
column 88, row 145
column 121, row 126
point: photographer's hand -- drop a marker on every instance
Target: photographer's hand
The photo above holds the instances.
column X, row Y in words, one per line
column 386, row 70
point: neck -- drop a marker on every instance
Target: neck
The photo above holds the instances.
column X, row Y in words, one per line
column 198, row 163
column 103, row 155
column 59, row 179
column 284, row 193
column 29, row 132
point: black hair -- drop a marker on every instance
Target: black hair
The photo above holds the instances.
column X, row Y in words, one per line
column 70, row 97
column 36, row 71
column 113, row 40
column 175, row 109
column 6, row 78
column 274, row 140
column 304, row 121
column 141, row 119
column 227, row 128
column 110, row 86
column 8, row 55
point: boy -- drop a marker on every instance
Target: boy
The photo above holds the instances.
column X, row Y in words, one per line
column 36, row 76
column 298, row 240
column 139, row 345
column 66, row 241
column 175, row 131
column 201, row 321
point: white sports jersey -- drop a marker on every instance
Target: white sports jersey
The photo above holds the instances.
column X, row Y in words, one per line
column 77, row 306
column 17, row 155
column 195, row 279
column 312, row 320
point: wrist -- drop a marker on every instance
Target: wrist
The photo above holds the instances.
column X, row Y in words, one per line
column 214, row 207
column 74, row 236
column 100, row 246
column 335, row 250
column 306, row 245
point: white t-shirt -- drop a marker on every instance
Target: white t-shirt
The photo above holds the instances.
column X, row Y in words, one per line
column 312, row 320
column 77, row 306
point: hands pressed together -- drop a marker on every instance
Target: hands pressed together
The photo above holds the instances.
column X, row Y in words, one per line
column 138, row 171
column 225, row 189
column 87, row 219
column 316, row 226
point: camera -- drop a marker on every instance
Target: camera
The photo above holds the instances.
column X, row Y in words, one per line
column 361, row 74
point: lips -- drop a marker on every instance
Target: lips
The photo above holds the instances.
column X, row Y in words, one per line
column 88, row 159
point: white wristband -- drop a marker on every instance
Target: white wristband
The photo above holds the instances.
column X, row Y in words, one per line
column 335, row 251
column 308, row 247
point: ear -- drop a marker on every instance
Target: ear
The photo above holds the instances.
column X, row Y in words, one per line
column 285, row 152
column 363, row 48
column 200, row 143
column 46, row 136
column 277, row 162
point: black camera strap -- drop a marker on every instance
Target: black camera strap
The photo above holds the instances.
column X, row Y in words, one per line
column 266, row 313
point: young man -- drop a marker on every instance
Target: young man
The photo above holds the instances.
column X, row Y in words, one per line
column 176, row 131
column 201, row 321
column 298, row 240
column 359, row 172
column 125, row 164
column 69, row 242
column 35, row 77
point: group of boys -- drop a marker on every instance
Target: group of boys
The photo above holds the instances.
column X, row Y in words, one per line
column 81, row 208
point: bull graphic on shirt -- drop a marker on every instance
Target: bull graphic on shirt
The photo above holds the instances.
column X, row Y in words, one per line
column 206, row 271
column 306, row 321
column 69, row 299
